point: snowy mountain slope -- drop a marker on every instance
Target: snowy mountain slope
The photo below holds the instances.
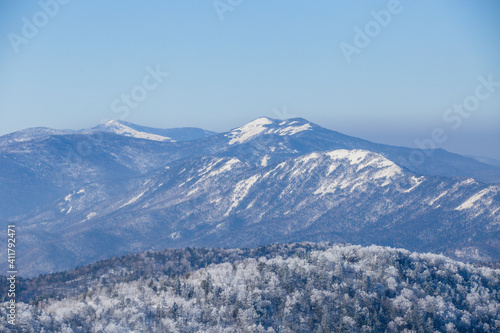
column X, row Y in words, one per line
column 265, row 139
column 143, row 132
column 36, row 172
column 38, row 166
column 55, row 162
column 118, row 127
column 90, row 195
column 30, row 134
column 343, row 195
column 297, row 136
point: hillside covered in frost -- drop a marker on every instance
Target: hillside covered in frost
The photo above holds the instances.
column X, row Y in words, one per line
column 301, row 287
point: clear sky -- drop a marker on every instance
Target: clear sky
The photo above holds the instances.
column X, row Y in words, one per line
column 72, row 65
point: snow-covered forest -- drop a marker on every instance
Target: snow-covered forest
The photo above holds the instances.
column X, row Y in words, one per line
column 301, row 287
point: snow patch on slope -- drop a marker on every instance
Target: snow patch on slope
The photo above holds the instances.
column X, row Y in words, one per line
column 89, row 216
column 134, row 199
column 471, row 202
column 240, row 191
column 228, row 166
column 264, row 161
column 415, row 182
column 437, row 198
column 211, row 169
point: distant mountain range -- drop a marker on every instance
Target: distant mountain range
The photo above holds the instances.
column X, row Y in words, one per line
column 118, row 188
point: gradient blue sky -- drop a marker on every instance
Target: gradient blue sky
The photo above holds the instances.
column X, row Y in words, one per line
column 264, row 56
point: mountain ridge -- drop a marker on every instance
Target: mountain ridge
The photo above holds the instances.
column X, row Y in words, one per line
column 267, row 181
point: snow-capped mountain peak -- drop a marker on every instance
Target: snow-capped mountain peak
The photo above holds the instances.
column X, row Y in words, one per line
column 123, row 128
column 265, row 125
column 127, row 129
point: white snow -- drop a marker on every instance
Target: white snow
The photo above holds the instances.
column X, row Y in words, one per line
column 193, row 191
column 327, row 188
column 415, row 182
column 240, row 191
column 226, row 167
column 208, row 167
column 387, row 169
column 437, row 198
column 291, row 130
column 468, row 181
column 69, row 196
column 261, row 126
column 134, row 199
column 380, row 169
column 309, row 157
column 281, row 165
column 175, row 235
column 469, row 203
column 248, row 131
column 118, row 128
column 468, row 252
column 354, row 156
column 211, row 167
column 387, row 173
column 495, row 211
column 264, row 161
column 89, row 216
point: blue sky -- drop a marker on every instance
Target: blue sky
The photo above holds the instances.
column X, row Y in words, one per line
column 265, row 58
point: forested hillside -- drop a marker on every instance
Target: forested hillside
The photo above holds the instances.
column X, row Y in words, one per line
column 277, row 288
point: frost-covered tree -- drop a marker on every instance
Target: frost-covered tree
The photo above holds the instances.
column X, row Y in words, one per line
column 278, row 288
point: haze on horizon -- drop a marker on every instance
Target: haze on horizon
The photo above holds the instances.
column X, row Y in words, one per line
column 386, row 71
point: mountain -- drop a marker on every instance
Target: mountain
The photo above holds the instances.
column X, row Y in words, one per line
column 39, row 165
column 30, row 134
column 143, row 132
column 297, row 136
column 88, row 196
column 302, row 287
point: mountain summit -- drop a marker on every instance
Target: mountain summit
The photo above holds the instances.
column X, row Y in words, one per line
column 266, row 125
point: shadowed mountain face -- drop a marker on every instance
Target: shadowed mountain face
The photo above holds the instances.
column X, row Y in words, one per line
column 120, row 188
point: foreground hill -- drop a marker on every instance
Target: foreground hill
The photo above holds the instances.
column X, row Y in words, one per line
column 277, row 288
